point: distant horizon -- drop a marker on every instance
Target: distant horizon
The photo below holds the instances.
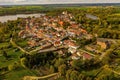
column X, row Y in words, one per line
column 59, row 4
column 41, row 2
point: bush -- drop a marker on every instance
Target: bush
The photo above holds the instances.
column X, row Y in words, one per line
column 13, row 66
column 23, row 62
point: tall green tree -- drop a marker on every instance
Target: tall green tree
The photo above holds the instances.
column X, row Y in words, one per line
column 62, row 69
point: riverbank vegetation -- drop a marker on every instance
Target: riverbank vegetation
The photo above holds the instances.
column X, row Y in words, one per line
column 12, row 10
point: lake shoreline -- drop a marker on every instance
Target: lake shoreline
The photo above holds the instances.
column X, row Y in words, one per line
column 6, row 18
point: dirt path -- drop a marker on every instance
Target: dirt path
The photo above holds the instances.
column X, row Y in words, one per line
column 14, row 44
column 39, row 78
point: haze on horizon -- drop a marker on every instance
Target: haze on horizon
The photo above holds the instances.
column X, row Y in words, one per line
column 17, row 2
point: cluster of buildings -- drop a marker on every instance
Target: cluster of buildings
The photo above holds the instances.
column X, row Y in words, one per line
column 57, row 31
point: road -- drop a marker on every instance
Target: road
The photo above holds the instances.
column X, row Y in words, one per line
column 108, row 68
column 14, row 44
column 41, row 49
column 112, row 40
column 52, row 49
column 87, row 52
column 39, row 78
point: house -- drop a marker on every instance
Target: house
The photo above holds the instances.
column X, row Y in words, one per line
column 74, row 26
column 75, row 56
column 86, row 56
column 90, row 48
column 32, row 43
column 57, row 43
column 71, row 50
column 21, row 33
column 61, row 23
column 71, row 33
column 61, row 52
column 64, row 12
column 88, row 36
column 83, row 31
column 72, row 46
column 105, row 44
column 78, row 53
column 28, row 28
column 46, row 45
column 74, row 32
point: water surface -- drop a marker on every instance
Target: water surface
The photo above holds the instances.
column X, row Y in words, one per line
column 14, row 17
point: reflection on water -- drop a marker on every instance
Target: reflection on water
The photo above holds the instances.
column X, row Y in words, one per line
column 14, row 17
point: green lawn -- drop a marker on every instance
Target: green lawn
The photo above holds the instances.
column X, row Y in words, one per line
column 13, row 56
column 116, row 14
column 22, row 43
column 3, row 44
column 91, row 72
column 19, row 74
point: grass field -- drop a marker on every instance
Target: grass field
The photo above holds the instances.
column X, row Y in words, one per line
column 13, row 57
column 19, row 74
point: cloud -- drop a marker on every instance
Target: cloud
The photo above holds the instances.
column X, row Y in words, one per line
column 13, row 1
column 19, row 0
column 55, row 1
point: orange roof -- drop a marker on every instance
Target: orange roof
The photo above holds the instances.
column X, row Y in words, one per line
column 84, row 31
column 32, row 43
column 27, row 28
column 61, row 23
column 57, row 42
column 74, row 26
column 21, row 33
column 69, row 42
column 87, row 56
column 40, row 31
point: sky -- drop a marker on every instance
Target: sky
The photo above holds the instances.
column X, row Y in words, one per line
column 4, row 2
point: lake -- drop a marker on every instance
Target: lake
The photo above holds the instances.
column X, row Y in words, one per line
column 92, row 17
column 14, row 17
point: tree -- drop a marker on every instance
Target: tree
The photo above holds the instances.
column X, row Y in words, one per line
column 106, row 57
column 5, row 54
column 66, row 24
column 52, row 69
column 103, row 77
column 59, row 62
column 23, row 62
column 68, row 74
column 13, row 66
column 74, row 75
column 62, row 69
column 81, row 77
column 77, row 64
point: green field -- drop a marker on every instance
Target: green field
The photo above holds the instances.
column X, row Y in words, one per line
column 14, row 57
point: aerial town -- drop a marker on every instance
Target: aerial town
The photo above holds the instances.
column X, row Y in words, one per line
column 60, row 43
column 61, row 32
column 53, row 34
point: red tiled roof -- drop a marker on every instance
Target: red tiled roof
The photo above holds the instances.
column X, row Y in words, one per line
column 84, row 31
column 69, row 42
column 61, row 23
column 87, row 56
